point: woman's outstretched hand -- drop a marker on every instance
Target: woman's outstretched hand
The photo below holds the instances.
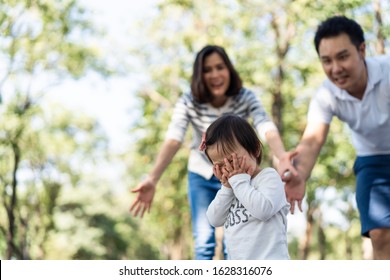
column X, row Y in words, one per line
column 143, row 202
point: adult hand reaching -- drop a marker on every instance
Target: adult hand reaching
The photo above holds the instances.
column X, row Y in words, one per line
column 294, row 184
column 295, row 190
column 286, row 167
column 145, row 193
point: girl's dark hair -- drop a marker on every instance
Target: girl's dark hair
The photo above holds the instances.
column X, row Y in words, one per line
column 199, row 89
column 337, row 25
column 229, row 129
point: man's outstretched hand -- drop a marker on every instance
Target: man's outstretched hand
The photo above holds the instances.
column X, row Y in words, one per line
column 295, row 189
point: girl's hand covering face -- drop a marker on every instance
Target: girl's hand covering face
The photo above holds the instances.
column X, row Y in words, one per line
column 222, row 178
column 234, row 167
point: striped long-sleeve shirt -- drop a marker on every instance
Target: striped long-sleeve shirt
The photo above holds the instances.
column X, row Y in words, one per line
column 188, row 110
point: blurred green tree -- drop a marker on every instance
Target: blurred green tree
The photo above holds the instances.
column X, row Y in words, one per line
column 47, row 152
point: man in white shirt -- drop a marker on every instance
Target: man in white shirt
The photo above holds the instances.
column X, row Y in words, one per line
column 357, row 91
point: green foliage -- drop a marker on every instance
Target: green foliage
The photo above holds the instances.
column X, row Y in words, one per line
column 90, row 230
column 52, row 207
column 170, row 210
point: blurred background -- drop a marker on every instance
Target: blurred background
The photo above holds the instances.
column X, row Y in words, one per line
column 87, row 89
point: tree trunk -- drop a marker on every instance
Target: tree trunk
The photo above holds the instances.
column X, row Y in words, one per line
column 305, row 248
column 348, row 246
column 380, row 45
column 282, row 46
column 321, row 239
column 11, row 207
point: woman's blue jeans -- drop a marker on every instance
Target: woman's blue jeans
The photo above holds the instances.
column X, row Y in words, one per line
column 200, row 194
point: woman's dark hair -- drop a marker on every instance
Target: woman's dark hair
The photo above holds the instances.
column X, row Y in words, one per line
column 229, row 130
column 198, row 86
column 337, row 25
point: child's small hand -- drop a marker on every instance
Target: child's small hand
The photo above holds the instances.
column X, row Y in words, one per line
column 235, row 167
column 222, row 178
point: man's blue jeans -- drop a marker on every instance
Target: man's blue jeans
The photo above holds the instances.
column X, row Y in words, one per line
column 200, row 194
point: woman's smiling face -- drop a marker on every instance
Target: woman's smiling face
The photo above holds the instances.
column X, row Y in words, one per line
column 216, row 75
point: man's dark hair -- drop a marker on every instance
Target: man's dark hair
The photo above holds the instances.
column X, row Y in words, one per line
column 229, row 130
column 198, row 86
column 337, row 25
